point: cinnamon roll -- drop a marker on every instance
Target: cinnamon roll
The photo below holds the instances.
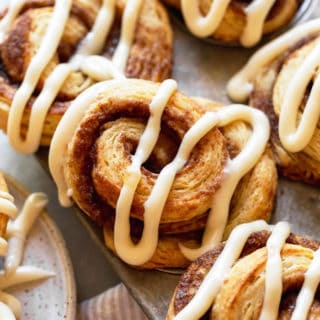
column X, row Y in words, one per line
column 282, row 80
column 260, row 272
column 51, row 51
column 159, row 171
column 243, row 22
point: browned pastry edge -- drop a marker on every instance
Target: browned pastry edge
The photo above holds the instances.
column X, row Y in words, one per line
column 150, row 57
column 3, row 217
column 167, row 254
column 233, row 23
column 296, row 166
column 191, row 280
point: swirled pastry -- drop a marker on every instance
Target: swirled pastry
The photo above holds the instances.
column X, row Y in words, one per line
column 261, row 272
column 146, row 162
column 234, row 20
column 51, row 51
column 282, row 80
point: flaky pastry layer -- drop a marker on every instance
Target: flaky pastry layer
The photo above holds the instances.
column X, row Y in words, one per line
column 241, row 295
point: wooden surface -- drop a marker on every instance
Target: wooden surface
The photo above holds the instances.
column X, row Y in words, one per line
column 203, row 70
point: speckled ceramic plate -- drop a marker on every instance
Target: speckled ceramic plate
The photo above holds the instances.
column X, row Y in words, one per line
column 55, row 298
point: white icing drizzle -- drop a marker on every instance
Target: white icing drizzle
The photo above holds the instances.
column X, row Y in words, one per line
column 233, row 171
column 99, row 68
column 23, row 274
column 214, row 279
column 273, row 282
column 129, row 21
column 94, row 41
column 138, row 254
column 18, row 229
column 202, row 26
column 240, row 85
column 36, row 67
column 65, row 130
column 7, row 21
column 307, row 292
column 257, row 13
column 293, row 138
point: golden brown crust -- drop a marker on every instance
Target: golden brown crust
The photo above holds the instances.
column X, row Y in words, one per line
column 100, row 152
column 150, row 56
column 243, row 285
column 233, row 23
column 151, row 53
column 3, row 217
column 167, row 254
column 270, row 86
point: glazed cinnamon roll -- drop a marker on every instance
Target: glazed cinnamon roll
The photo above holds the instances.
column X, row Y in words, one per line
column 159, row 171
column 51, row 51
column 243, row 22
column 282, row 80
column 261, row 272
